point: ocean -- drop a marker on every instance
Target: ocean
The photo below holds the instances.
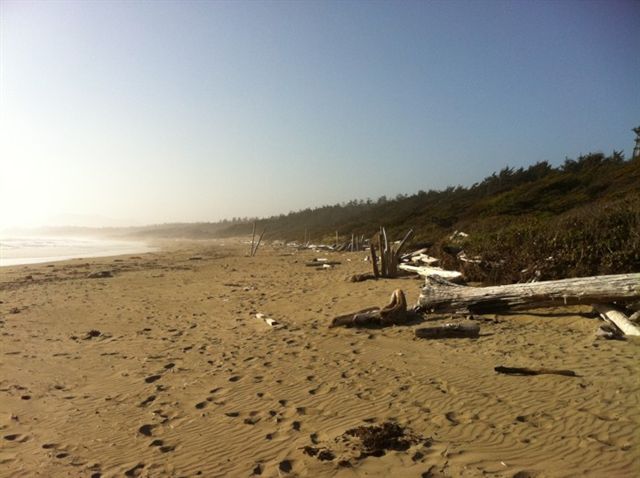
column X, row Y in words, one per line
column 32, row 250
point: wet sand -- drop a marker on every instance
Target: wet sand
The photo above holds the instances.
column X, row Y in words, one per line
column 163, row 370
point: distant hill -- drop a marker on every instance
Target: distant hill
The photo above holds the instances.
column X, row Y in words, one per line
column 539, row 191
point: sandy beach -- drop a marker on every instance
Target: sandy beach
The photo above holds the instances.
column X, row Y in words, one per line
column 162, row 369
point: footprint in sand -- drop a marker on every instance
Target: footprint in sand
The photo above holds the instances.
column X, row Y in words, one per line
column 146, row 430
column 285, row 466
column 16, row 437
column 134, row 471
column 201, row 405
column 152, row 378
column 147, row 401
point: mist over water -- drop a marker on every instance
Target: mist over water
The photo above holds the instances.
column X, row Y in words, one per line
column 37, row 249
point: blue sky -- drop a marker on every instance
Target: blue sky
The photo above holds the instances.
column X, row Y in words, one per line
column 145, row 112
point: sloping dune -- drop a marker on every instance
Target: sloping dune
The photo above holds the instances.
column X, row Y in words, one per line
column 163, row 370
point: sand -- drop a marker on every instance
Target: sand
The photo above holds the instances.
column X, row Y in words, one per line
column 163, row 370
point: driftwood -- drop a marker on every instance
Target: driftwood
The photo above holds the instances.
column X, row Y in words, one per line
column 270, row 322
column 449, row 331
column 394, row 313
column 428, row 271
column 389, row 253
column 374, row 260
column 409, row 255
column 424, row 258
column 439, row 295
column 610, row 332
column 617, row 318
column 361, row 277
column 321, row 263
column 254, row 249
column 534, row 371
column 253, row 238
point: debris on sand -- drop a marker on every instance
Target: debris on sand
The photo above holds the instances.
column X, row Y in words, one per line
column 364, row 441
column 91, row 334
column 100, row 274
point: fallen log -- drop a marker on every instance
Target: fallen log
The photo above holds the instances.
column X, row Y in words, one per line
column 394, row 313
column 449, row 331
column 318, row 263
column 427, row 271
column 439, row 295
column 534, row 371
column 617, row 318
column 424, row 258
column 409, row 255
column 361, row 277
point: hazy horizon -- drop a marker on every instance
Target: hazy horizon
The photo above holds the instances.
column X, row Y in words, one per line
column 132, row 113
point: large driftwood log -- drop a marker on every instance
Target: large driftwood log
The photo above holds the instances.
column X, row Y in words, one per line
column 394, row 313
column 618, row 318
column 439, row 295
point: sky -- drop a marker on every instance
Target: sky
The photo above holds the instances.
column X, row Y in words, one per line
column 139, row 112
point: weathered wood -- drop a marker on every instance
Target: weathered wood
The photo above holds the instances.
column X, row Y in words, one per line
column 428, row 271
column 253, row 238
column 378, row 240
column 409, row 255
column 425, row 259
column 534, row 371
column 360, row 277
column 255, row 250
column 449, row 331
column 270, row 322
column 403, row 242
column 617, row 318
column 374, row 261
column 441, row 296
column 394, row 313
column 320, row 263
column 389, row 253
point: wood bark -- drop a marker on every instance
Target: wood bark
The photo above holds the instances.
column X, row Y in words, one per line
column 389, row 253
column 618, row 318
column 394, row 313
column 439, row 295
column 253, row 237
column 449, row 331
column 255, row 249
column 374, row 260
column 534, row 371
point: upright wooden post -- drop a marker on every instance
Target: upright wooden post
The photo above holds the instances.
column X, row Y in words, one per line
column 253, row 238
column 253, row 253
column 374, row 260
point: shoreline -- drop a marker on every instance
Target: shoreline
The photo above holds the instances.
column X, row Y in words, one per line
column 26, row 250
